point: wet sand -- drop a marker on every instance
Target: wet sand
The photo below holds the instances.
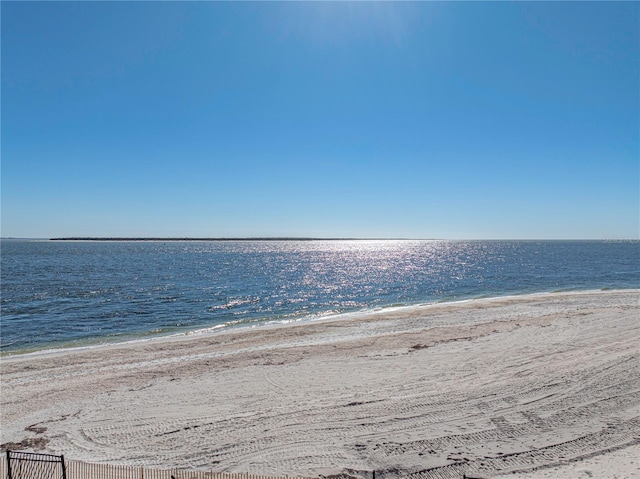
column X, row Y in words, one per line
column 483, row 387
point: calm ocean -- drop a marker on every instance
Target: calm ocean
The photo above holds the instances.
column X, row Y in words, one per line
column 70, row 293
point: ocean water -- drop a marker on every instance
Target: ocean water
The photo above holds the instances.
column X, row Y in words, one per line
column 70, row 293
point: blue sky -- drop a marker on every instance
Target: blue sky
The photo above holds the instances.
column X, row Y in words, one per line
column 418, row 120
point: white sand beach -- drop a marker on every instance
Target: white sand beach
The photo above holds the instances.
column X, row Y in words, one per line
column 545, row 385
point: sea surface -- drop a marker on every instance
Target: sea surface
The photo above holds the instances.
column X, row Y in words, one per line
column 57, row 294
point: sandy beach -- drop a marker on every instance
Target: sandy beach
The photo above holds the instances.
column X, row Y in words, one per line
column 544, row 385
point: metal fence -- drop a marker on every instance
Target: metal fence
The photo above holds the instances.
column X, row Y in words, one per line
column 29, row 465
column 84, row 470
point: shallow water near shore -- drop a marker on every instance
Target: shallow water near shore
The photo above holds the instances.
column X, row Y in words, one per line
column 64, row 294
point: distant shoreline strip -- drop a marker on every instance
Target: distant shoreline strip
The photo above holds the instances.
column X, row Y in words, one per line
column 283, row 238
column 295, row 238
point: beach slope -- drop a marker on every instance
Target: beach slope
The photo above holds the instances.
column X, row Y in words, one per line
column 483, row 387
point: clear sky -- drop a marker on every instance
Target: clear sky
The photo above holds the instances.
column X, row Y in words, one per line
column 418, row 120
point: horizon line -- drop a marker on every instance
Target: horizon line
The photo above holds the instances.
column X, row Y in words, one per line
column 294, row 238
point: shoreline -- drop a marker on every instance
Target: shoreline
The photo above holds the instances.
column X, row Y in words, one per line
column 538, row 378
column 144, row 337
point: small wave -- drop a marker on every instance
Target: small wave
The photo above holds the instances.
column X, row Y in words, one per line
column 234, row 303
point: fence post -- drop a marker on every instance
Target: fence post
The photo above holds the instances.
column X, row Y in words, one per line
column 8, row 464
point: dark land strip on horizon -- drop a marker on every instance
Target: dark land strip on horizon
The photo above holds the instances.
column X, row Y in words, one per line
column 259, row 238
